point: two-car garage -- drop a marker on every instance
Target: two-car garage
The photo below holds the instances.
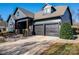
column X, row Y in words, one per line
column 46, row 28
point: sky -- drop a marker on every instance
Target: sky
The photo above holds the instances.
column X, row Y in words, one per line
column 8, row 8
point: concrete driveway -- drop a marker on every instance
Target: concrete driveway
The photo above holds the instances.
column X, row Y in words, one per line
column 34, row 45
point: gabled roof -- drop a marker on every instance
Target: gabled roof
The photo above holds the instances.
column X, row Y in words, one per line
column 60, row 10
column 10, row 17
column 26, row 12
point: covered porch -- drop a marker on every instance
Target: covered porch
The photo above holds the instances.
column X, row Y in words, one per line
column 22, row 26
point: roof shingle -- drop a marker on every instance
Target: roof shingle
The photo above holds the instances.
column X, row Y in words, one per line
column 60, row 10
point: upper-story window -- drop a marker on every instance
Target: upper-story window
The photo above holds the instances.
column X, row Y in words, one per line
column 47, row 10
column 17, row 13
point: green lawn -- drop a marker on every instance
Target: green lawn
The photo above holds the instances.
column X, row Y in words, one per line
column 63, row 49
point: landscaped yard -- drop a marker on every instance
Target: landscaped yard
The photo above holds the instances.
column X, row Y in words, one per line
column 40, row 45
column 63, row 49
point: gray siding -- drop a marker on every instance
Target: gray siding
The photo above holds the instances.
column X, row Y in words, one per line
column 11, row 24
column 66, row 17
column 20, row 15
column 48, row 21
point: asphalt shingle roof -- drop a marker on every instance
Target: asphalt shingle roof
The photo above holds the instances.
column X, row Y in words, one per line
column 60, row 10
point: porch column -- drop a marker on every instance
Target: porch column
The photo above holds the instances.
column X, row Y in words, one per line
column 27, row 27
column 16, row 27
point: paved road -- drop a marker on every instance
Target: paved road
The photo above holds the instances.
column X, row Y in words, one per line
column 30, row 46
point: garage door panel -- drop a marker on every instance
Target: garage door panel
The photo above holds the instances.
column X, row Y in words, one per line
column 52, row 34
column 52, row 30
column 39, row 30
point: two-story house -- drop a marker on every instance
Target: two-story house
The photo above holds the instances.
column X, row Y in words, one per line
column 45, row 22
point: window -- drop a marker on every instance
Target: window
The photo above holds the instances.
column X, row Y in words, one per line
column 17, row 13
column 47, row 11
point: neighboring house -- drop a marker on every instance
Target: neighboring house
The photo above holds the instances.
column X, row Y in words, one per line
column 45, row 22
column 2, row 26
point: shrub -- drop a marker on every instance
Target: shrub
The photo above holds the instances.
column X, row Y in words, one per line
column 66, row 31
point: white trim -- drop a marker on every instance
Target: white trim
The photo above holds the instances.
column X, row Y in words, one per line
column 22, row 20
column 48, row 21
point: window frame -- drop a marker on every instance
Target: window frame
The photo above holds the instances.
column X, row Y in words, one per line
column 17, row 13
column 47, row 11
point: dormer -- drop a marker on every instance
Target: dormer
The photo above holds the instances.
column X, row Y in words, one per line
column 48, row 9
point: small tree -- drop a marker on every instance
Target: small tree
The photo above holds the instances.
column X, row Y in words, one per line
column 66, row 31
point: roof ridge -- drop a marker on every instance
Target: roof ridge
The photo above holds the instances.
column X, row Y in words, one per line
column 24, row 9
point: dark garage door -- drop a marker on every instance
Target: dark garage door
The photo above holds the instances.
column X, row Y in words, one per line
column 39, row 30
column 52, row 29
